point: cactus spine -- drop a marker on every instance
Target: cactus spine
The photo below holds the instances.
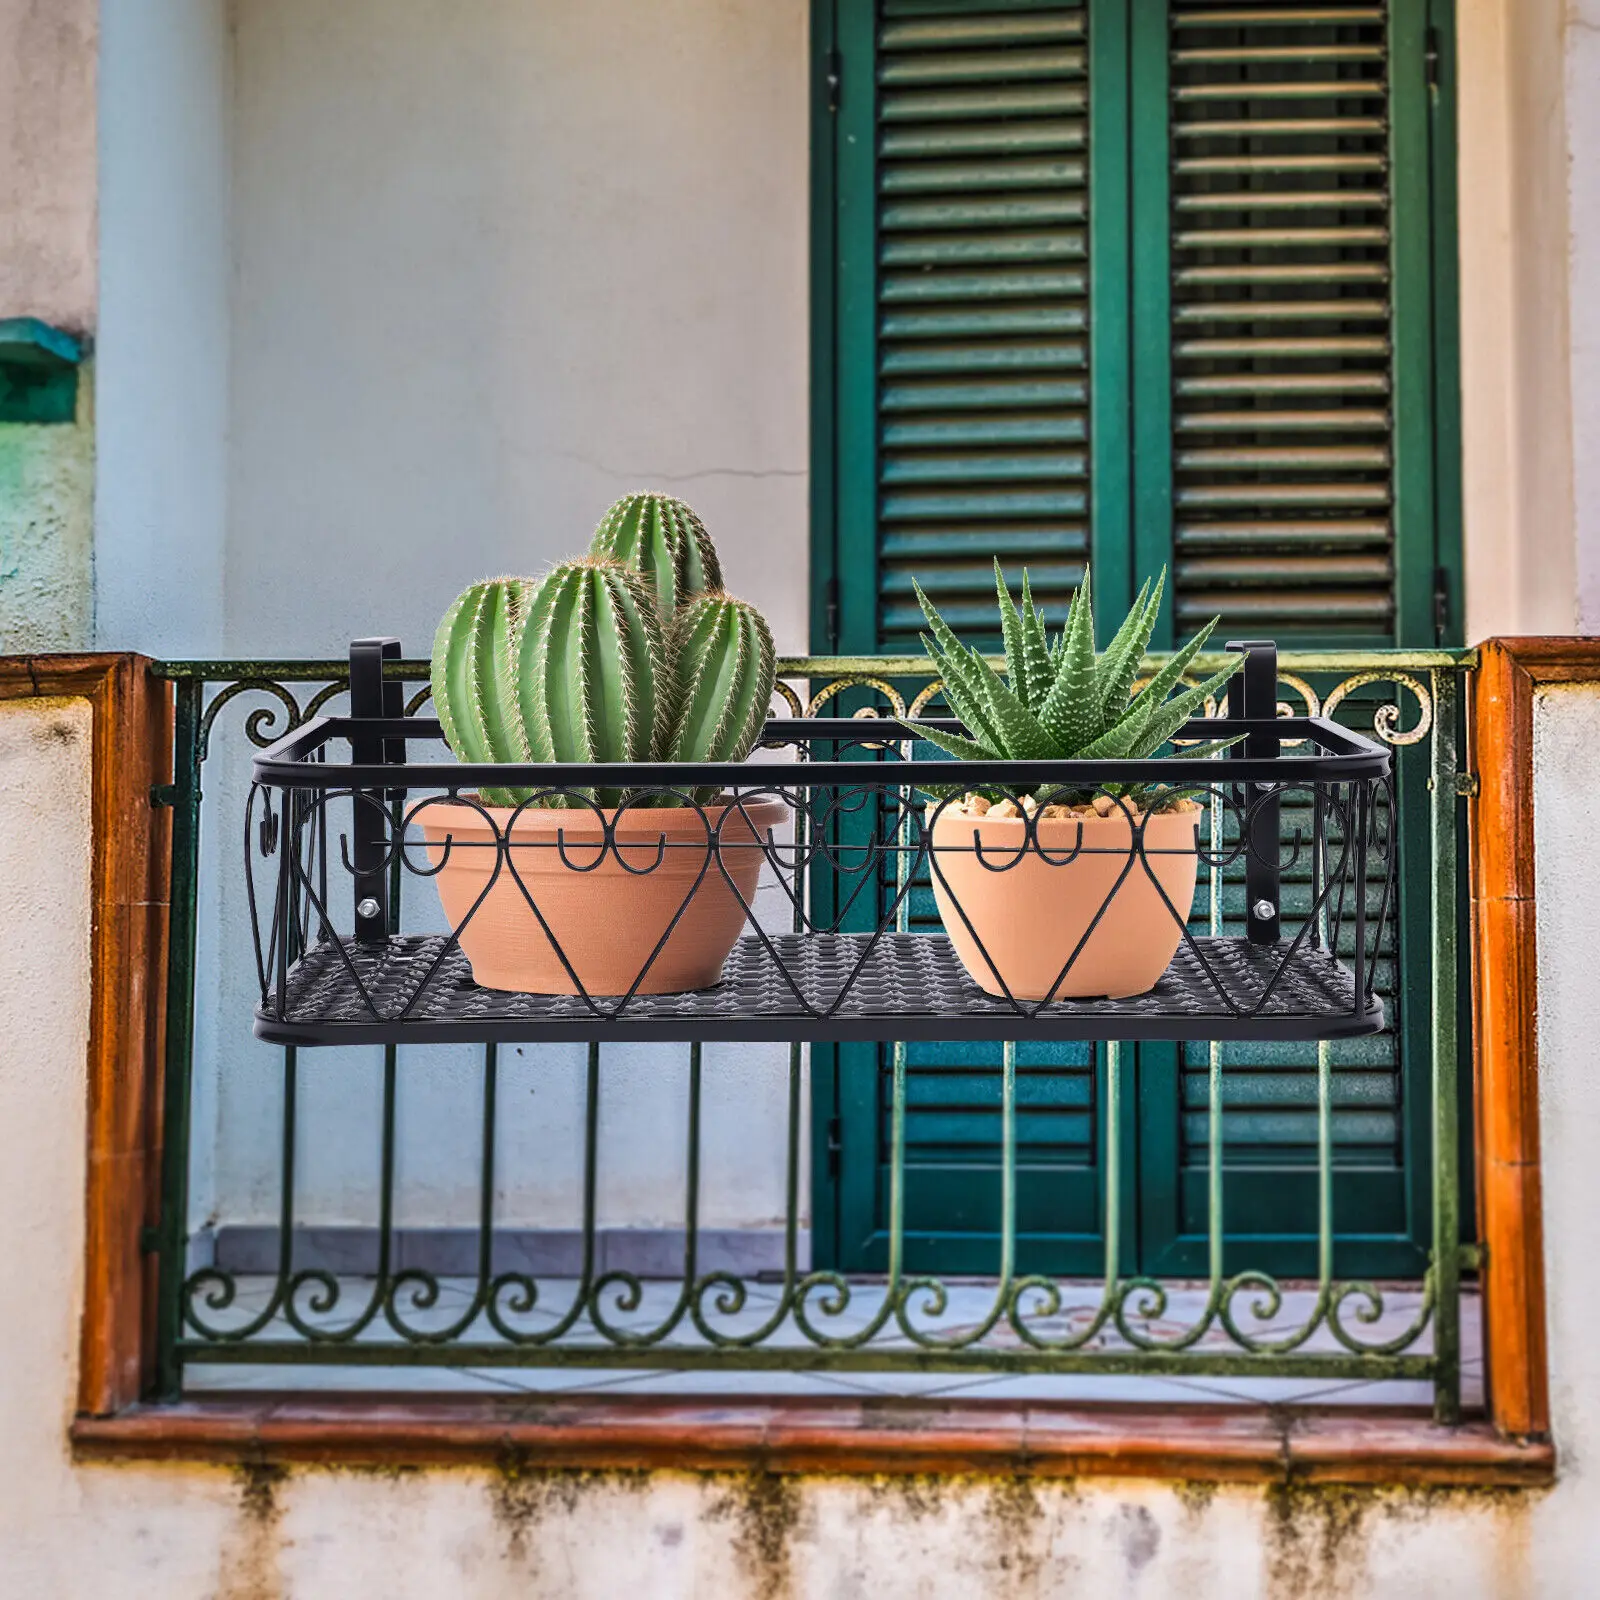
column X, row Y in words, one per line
column 593, row 669
column 725, row 668
column 664, row 540
column 475, row 681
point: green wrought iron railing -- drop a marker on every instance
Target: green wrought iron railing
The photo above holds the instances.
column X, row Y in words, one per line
column 293, row 1300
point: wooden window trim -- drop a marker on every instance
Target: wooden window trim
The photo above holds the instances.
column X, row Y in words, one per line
column 1505, row 1019
column 132, row 752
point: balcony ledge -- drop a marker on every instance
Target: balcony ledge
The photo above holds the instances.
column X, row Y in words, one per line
column 1258, row 1444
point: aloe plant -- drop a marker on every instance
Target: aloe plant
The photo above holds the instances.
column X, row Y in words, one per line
column 1063, row 700
column 663, row 539
column 599, row 660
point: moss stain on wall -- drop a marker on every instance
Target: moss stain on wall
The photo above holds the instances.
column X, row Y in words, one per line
column 249, row 1569
column 764, row 1511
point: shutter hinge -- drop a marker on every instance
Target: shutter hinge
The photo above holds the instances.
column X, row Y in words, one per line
column 1467, row 785
column 149, row 1239
column 831, row 616
column 163, row 794
column 835, row 1145
column 1441, row 604
column 834, row 70
column 1430, row 58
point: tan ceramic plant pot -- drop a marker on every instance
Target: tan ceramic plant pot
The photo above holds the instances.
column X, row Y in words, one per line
column 1026, row 921
column 607, row 920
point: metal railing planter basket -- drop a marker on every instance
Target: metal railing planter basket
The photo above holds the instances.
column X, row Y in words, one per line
column 630, row 654
column 338, row 807
column 1050, row 904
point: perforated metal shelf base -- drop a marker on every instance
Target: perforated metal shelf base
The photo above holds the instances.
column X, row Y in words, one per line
column 909, row 986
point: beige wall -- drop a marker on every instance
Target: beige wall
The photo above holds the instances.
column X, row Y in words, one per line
column 190, row 1533
column 495, row 267
column 47, row 270
column 47, row 160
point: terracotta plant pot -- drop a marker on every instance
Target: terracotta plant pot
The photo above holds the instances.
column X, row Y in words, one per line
column 608, row 919
column 1030, row 917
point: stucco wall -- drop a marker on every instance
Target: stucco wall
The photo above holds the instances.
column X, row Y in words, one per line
column 46, row 529
column 186, row 1531
column 1583, row 143
column 161, row 467
column 47, row 160
column 495, row 266
column 47, row 270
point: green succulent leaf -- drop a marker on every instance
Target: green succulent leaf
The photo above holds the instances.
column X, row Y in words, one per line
column 952, row 743
column 1011, row 633
column 1212, row 747
column 962, row 694
column 1063, row 700
column 1167, row 679
column 1070, row 714
column 1119, row 666
column 1037, row 670
column 1167, row 718
column 1020, row 734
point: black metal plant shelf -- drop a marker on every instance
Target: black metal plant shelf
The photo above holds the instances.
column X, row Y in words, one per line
column 909, row 986
column 1295, row 863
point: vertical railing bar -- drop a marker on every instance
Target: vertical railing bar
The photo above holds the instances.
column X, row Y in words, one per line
column 897, row 1129
column 691, row 1243
column 1113, row 1122
column 1008, row 1164
column 386, row 1174
column 491, row 1097
column 897, row 1160
column 1446, row 1166
column 1319, row 823
column 1324, row 1166
column 791, row 1187
column 591, row 1166
column 284, row 915
column 178, row 1066
column 290, row 1136
column 1362, row 821
column 1214, row 1229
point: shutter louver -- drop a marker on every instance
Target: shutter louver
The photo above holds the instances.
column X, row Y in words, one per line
column 982, row 306
column 1281, row 348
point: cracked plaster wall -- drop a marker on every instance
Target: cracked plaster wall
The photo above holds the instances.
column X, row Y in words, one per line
column 492, row 273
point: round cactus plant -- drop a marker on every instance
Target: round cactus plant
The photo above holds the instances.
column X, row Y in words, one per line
column 630, row 654
column 663, row 539
column 474, row 676
column 593, row 668
column 724, row 671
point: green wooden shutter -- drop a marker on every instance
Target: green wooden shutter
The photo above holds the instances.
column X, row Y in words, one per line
column 1157, row 277
column 962, row 434
column 1283, row 320
column 1299, row 393
column 982, row 304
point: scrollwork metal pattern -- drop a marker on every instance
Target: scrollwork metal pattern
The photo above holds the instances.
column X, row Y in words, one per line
column 1031, row 1322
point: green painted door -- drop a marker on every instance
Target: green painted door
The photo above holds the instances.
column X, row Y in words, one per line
column 1156, row 285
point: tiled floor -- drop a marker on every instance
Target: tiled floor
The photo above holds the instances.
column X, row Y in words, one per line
column 969, row 1307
